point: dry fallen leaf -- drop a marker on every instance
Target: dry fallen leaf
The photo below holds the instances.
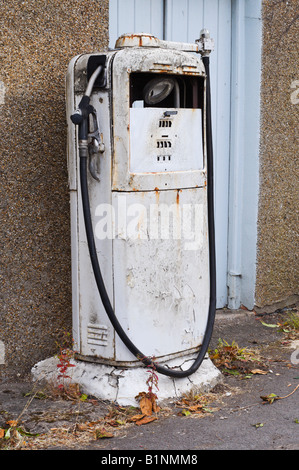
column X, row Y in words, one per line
column 2, row 432
column 12, row 423
column 156, row 408
column 148, row 403
column 145, row 420
column 146, row 406
column 82, row 427
column 103, row 434
column 136, row 417
column 195, row 407
column 259, row 371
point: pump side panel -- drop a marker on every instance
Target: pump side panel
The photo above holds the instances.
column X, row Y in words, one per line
column 92, row 330
column 161, row 270
column 97, row 333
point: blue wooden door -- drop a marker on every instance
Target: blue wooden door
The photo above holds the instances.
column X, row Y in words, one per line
column 135, row 16
column 182, row 20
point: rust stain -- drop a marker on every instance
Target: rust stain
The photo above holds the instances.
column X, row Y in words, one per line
column 157, row 195
column 161, row 65
column 193, row 69
column 141, row 38
column 178, row 70
column 178, row 196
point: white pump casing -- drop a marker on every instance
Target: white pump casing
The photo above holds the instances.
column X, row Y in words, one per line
column 151, row 202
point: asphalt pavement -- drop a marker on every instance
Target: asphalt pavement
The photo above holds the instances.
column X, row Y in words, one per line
column 235, row 417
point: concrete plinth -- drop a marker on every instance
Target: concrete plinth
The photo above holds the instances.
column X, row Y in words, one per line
column 123, row 385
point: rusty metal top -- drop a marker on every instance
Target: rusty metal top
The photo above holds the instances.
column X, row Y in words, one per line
column 148, row 40
column 137, row 40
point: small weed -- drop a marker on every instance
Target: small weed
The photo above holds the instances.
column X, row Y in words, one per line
column 233, row 360
column 152, row 381
column 291, row 324
column 148, row 400
column 65, row 356
column 273, row 397
column 66, row 391
column 194, row 404
column 13, row 436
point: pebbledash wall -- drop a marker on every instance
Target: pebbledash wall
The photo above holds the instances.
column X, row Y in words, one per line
column 277, row 277
column 38, row 39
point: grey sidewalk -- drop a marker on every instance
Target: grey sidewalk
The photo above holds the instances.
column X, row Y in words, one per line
column 239, row 421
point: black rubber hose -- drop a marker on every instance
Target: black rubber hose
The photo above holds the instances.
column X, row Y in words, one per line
column 147, row 361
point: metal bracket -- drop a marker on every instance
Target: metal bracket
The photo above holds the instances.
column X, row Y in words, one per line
column 205, row 43
column 95, row 147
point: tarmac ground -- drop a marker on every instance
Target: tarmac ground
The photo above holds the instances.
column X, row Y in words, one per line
column 232, row 416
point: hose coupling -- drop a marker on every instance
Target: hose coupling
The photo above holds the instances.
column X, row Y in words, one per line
column 83, row 148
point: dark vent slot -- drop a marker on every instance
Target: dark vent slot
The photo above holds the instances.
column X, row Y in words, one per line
column 163, row 144
column 163, row 158
column 165, row 123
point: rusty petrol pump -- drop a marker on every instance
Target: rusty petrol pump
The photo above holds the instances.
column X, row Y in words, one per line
column 140, row 163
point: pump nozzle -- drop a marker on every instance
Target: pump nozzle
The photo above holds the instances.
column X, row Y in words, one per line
column 83, row 111
column 77, row 117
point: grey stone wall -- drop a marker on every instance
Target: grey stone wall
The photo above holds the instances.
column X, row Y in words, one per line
column 38, row 39
column 277, row 263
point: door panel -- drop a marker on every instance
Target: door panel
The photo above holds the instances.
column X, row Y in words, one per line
column 131, row 16
column 183, row 21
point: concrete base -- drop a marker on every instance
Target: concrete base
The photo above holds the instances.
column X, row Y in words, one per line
column 123, row 385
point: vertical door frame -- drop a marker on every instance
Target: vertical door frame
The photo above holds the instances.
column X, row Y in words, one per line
column 244, row 152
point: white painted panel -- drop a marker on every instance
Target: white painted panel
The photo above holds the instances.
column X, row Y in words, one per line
column 161, row 280
column 154, row 148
